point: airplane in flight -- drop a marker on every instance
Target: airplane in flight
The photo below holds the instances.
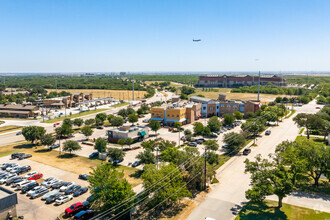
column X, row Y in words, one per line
column 196, row 40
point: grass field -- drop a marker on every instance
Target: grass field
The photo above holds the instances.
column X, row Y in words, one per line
column 75, row 115
column 120, row 104
column 8, row 128
column 255, row 211
column 265, row 98
column 100, row 93
column 75, row 164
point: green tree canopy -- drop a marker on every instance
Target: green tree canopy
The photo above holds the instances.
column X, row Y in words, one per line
column 214, row 124
column 78, row 122
column 132, row 118
column 154, row 125
column 238, row 115
column 211, row 145
column 100, row 145
column 117, row 121
column 71, row 146
column 116, row 154
column 146, row 157
column 33, row 133
column 68, row 122
column 101, row 116
column 198, row 128
column 87, row 131
column 228, row 119
column 48, row 140
column 234, row 142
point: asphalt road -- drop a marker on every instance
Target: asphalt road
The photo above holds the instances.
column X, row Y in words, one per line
column 230, row 192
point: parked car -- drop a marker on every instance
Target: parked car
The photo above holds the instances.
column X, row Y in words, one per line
column 80, row 191
column 29, row 186
column 16, row 181
column 72, row 189
column 54, row 146
column 100, row 127
column 27, row 176
column 115, row 161
column 267, row 132
column 246, row 151
column 12, row 167
column 213, row 134
column 36, row 176
column 6, row 165
column 66, row 186
column 15, row 170
column 52, row 182
column 16, row 155
column 50, row 193
column 93, row 155
column 23, row 169
column 192, row 144
column 75, row 208
column 85, row 214
column 48, row 181
column 52, row 198
column 63, row 199
column 24, row 156
column 7, row 178
column 39, row 193
column 24, row 183
column 200, row 141
column 33, row 190
column 136, row 163
column 58, row 185
column 11, row 180
column 146, row 120
column 19, row 133
column 83, row 176
column 71, row 135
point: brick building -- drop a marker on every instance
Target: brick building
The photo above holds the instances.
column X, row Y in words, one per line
column 19, row 111
column 225, row 81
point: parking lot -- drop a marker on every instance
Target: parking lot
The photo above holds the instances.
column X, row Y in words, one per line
column 36, row 208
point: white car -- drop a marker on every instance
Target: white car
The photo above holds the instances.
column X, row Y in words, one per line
column 63, row 199
column 32, row 191
column 47, row 181
column 146, row 120
column 20, row 185
column 47, row 195
column 4, row 180
column 52, row 182
column 65, row 187
column 12, row 167
column 27, row 176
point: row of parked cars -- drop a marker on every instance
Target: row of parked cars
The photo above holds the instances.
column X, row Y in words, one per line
column 20, row 156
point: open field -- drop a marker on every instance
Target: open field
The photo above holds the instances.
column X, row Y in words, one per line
column 75, row 115
column 270, row 211
column 7, row 128
column 100, row 93
column 265, row 98
column 72, row 163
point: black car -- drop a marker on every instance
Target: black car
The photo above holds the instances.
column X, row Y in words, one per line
column 136, row 163
column 24, row 156
column 52, row 198
column 246, row 151
column 80, row 191
column 85, row 214
column 10, row 181
column 23, row 169
column 58, row 185
column 72, row 189
column 28, row 187
column 115, row 161
column 83, row 176
column 93, row 155
column 5, row 166
column 16, row 155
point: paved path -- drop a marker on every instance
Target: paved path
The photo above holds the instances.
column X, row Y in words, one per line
column 234, row 182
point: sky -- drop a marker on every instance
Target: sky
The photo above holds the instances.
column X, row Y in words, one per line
column 156, row 35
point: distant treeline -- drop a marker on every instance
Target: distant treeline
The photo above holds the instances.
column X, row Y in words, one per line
column 272, row 89
column 307, row 79
column 184, row 79
column 65, row 82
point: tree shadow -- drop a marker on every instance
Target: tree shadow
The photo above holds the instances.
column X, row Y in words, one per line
column 25, row 146
column 260, row 210
column 45, row 150
column 66, row 156
column 136, row 174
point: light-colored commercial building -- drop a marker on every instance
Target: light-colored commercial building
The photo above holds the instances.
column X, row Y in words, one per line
column 19, row 111
column 137, row 133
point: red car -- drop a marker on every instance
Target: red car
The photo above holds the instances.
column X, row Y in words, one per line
column 75, row 208
column 56, row 124
column 36, row 176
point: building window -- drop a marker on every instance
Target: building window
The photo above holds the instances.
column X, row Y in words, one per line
column 217, row 107
column 235, row 106
column 204, row 108
column 153, row 113
column 168, row 115
column 172, row 115
column 228, row 106
column 177, row 116
column 222, row 105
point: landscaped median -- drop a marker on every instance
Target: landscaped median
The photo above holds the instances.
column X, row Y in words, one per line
column 269, row 210
column 8, row 128
column 75, row 115
column 72, row 163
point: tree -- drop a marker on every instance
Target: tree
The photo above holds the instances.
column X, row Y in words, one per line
column 68, row 122
column 123, row 113
column 187, row 90
column 214, row 124
column 108, row 188
column 139, row 111
column 89, row 121
column 87, row 131
column 253, row 127
column 309, row 121
column 48, row 140
column 212, row 158
column 206, row 132
column 132, row 118
column 154, row 125
column 109, row 117
column 121, row 142
column 238, row 115
column 211, row 145
column 101, row 116
column 145, row 108
column 146, row 157
column 198, row 128
column 117, row 121
column 234, row 142
column 130, row 111
column 228, row 119
column 267, row 178
column 78, row 122
column 175, row 188
column 33, row 133
column 116, row 154
column 71, row 146
column 269, row 116
column 187, row 132
column 100, row 145
column 64, row 130
column 129, row 141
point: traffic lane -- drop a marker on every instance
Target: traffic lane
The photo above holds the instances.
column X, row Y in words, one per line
column 36, row 208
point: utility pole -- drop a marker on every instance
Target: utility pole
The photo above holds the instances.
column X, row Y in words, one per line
column 259, row 87
column 133, row 85
column 56, row 85
column 205, row 168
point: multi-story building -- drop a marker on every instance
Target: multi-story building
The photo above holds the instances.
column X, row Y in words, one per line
column 237, row 81
column 19, row 111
